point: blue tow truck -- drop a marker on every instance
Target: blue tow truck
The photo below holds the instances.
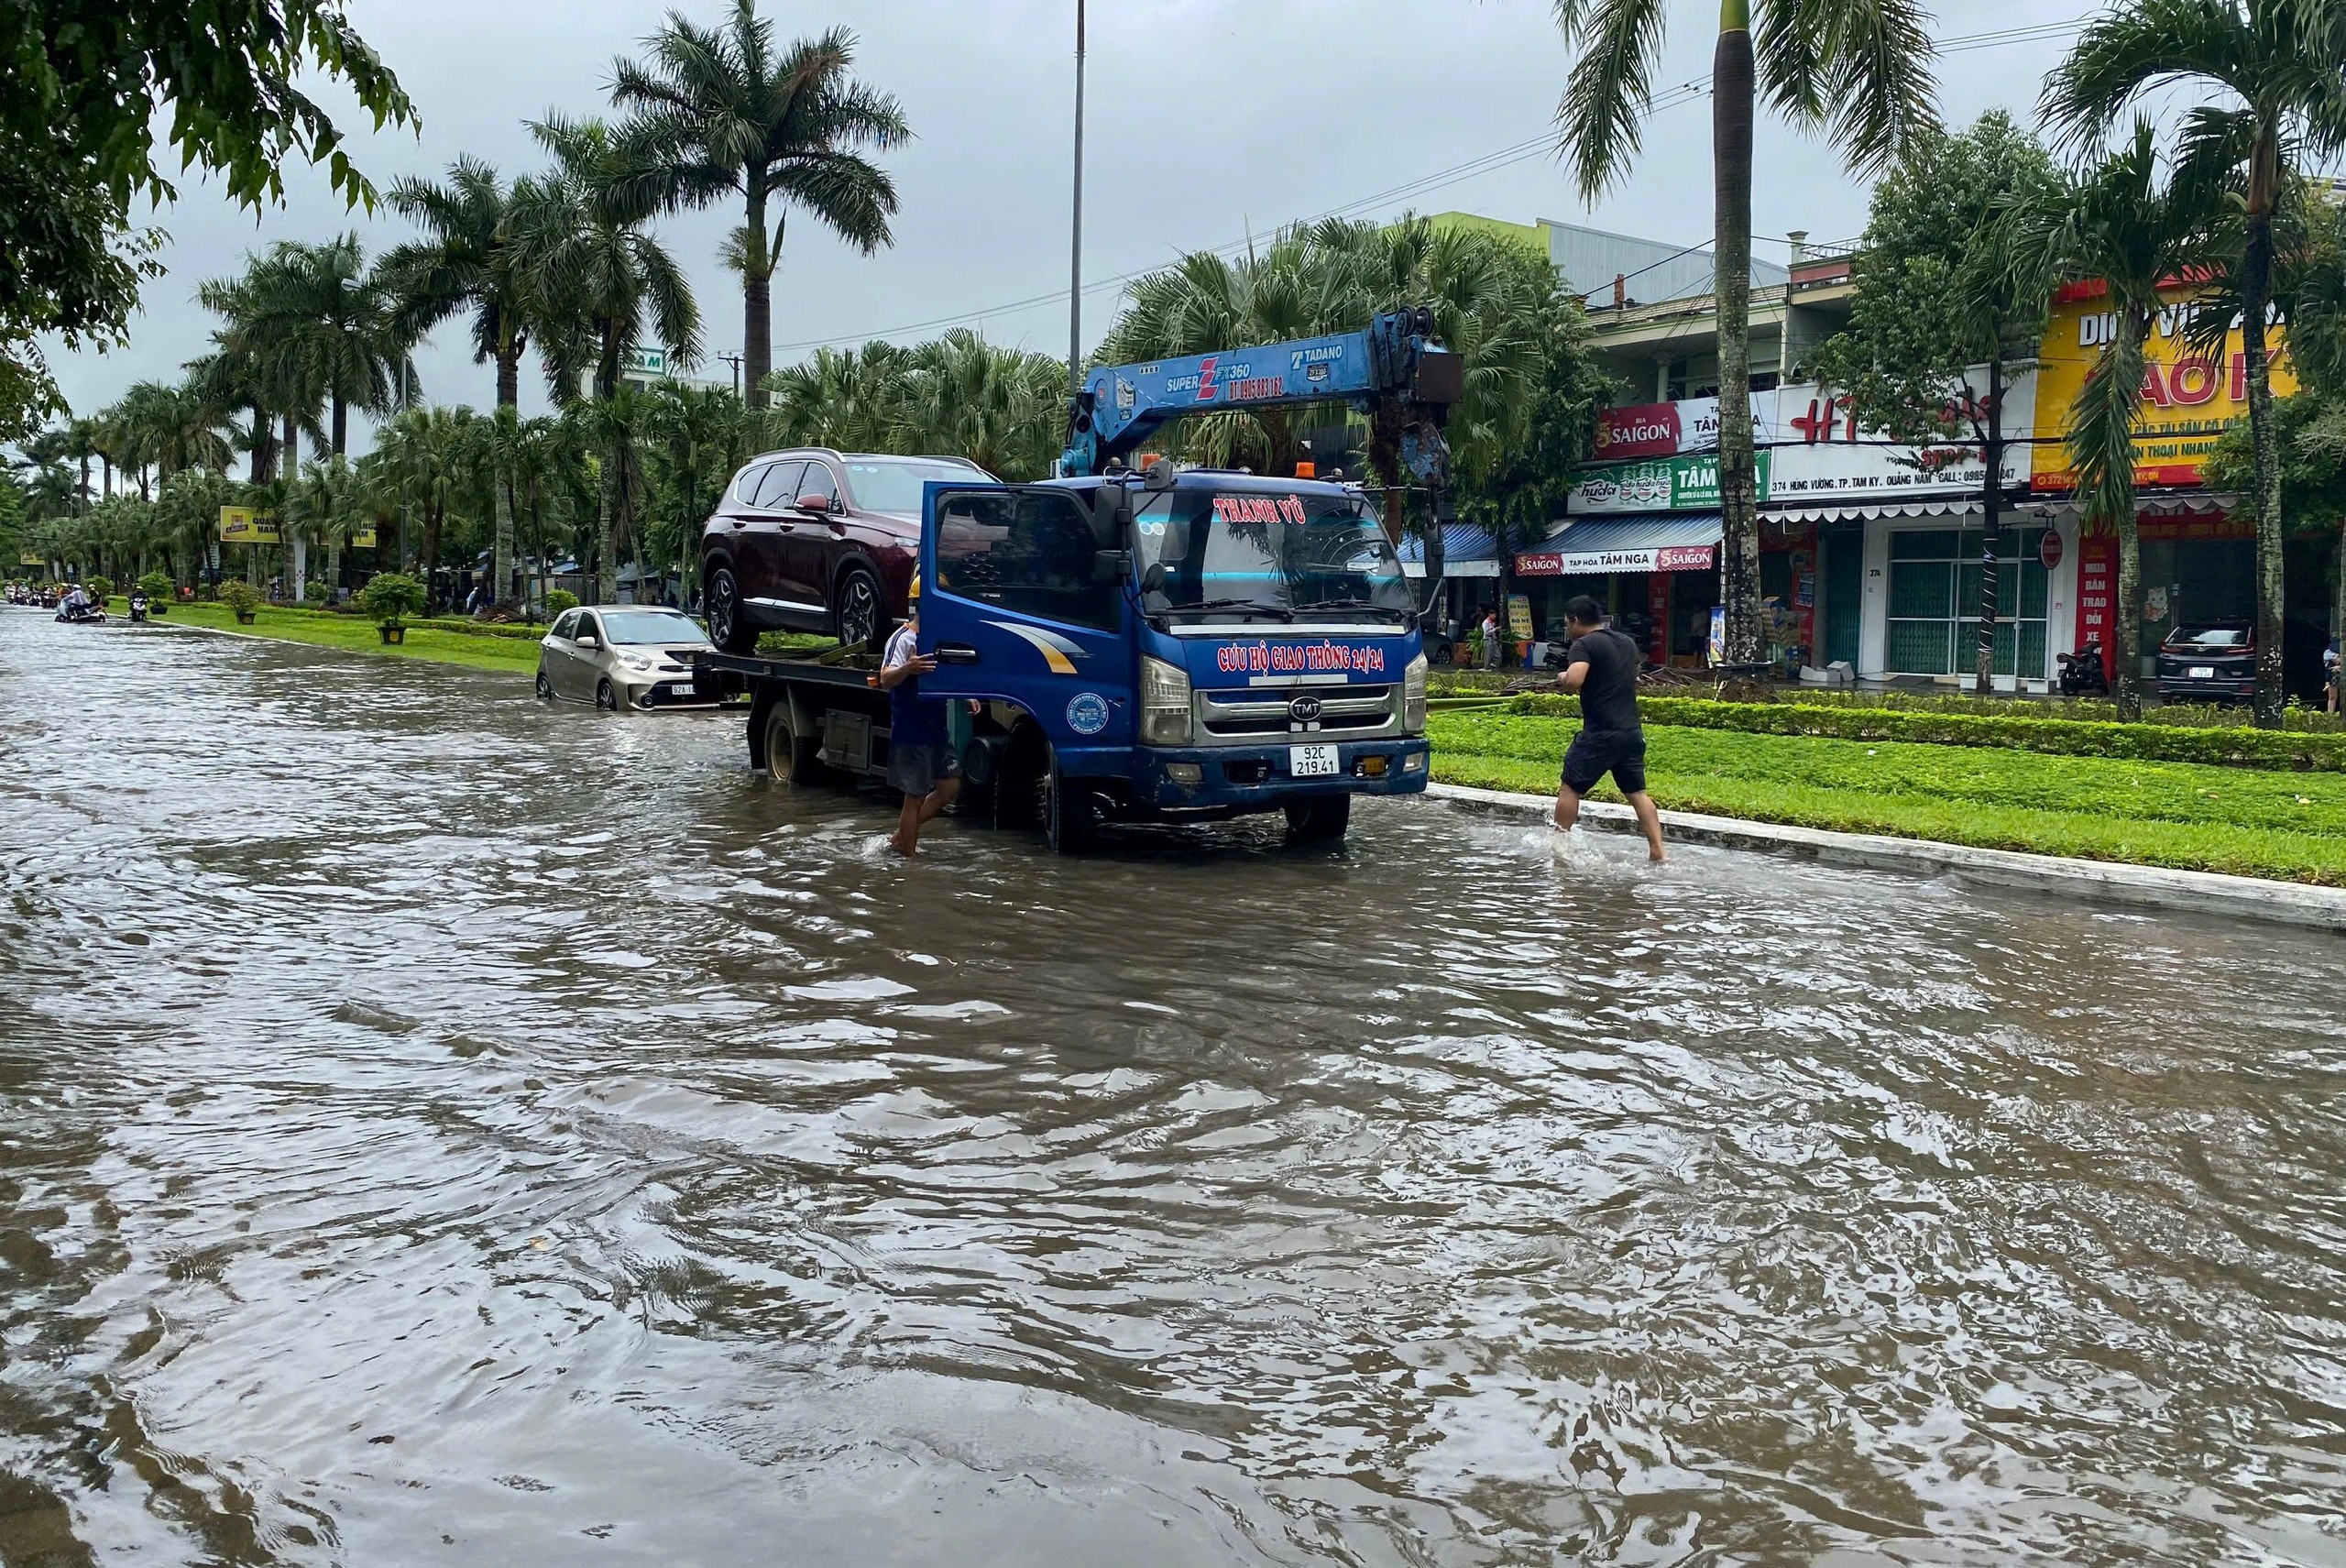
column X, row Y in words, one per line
column 1162, row 645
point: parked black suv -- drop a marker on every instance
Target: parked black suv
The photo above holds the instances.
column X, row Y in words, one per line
column 813, row 539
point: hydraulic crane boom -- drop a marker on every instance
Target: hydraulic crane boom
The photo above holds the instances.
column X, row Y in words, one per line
column 1395, row 373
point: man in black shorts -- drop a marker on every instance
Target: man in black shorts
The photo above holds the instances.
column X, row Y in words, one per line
column 1602, row 668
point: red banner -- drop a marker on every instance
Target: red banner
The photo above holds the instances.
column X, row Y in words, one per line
column 1646, row 429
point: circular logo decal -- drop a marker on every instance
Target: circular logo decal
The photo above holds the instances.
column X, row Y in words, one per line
column 1304, row 709
column 2048, row 550
column 1086, row 713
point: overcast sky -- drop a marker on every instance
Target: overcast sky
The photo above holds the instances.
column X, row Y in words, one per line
column 1210, row 120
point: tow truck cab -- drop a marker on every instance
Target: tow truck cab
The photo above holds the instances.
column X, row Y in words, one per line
column 1187, row 647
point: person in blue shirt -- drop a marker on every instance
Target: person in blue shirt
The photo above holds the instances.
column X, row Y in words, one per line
column 921, row 759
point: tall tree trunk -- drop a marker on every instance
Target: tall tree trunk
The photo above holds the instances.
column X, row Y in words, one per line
column 607, row 564
column 341, row 424
column 264, row 446
column 81, row 496
column 105, row 475
column 1731, row 209
column 431, row 515
column 1992, row 538
column 292, row 448
column 334, row 567
column 757, row 304
column 300, row 569
column 2128, row 687
column 2256, row 291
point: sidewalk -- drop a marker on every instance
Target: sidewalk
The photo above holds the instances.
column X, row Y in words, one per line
column 2101, row 881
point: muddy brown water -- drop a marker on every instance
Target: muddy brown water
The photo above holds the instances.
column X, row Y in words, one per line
column 434, row 1128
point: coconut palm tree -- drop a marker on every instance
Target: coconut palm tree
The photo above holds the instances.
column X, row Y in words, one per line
column 2131, row 224
column 854, row 400
column 599, row 281
column 722, row 112
column 465, row 264
column 422, row 458
column 1857, row 70
column 323, row 330
column 2278, row 71
column 1003, row 409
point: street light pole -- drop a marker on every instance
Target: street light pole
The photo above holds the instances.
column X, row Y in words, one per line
column 1074, row 266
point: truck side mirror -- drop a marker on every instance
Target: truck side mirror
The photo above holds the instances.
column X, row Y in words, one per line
column 1153, row 580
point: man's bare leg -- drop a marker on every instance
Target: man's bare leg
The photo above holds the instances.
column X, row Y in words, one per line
column 1567, row 808
column 1649, row 824
column 907, row 827
column 939, row 798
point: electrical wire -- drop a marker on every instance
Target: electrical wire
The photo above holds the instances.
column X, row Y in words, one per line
column 1668, row 98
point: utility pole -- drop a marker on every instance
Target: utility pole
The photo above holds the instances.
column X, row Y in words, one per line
column 735, row 361
column 1074, row 266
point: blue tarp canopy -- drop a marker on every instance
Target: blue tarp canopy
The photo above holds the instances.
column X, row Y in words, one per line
column 1467, row 551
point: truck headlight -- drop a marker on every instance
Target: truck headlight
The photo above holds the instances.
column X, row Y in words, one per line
column 1413, row 696
column 1164, row 703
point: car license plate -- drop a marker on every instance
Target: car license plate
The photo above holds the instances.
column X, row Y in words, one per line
column 2201, row 672
column 1311, row 762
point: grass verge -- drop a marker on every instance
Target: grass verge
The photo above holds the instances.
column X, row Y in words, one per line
column 2289, row 827
column 354, row 634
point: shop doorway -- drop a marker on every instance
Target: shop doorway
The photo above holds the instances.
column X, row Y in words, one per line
column 1844, row 575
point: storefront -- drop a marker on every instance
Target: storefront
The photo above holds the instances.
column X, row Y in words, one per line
column 1470, row 576
column 1656, row 576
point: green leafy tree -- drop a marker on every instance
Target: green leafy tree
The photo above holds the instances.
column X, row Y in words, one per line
column 1933, row 301
column 78, row 136
column 420, row 460
column 2278, row 71
column 2132, row 225
column 1857, row 70
column 718, row 113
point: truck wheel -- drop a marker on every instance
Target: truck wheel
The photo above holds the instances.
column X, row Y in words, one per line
column 791, row 757
column 857, row 614
column 1320, row 818
column 1071, row 816
column 729, row 627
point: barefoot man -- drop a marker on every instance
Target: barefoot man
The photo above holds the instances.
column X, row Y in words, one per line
column 920, row 752
column 1602, row 668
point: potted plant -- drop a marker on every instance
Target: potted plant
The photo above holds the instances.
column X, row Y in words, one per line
column 391, row 598
column 241, row 599
column 156, row 587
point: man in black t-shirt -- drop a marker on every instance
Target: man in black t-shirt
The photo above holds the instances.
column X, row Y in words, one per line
column 1602, row 668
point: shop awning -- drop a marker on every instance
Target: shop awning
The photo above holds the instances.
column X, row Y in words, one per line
column 1467, row 551
column 1951, row 509
column 1656, row 541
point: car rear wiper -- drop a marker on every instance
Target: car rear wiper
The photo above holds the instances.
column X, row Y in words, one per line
column 1282, row 611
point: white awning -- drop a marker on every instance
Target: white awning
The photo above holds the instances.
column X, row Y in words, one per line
column 1450, row 569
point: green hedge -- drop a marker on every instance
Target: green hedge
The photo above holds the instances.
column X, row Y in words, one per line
column 2231, row 748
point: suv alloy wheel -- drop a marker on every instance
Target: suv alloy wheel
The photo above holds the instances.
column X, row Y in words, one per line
column 728, row 626
column 856, row 613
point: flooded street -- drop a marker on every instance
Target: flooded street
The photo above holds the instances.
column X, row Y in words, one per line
column 438, row 1128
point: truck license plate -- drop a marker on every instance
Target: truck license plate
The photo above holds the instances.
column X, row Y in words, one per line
column 1311, row 762
column 2202, row 672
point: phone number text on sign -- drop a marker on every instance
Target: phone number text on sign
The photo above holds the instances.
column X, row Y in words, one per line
column 1299, row 658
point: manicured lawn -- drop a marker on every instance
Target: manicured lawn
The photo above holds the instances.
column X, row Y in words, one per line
column 2290, row 826
column 354, row 634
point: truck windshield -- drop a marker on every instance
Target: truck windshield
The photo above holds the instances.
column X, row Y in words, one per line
column 1240, row 552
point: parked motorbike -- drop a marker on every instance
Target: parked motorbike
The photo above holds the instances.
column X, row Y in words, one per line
column 2083, row 673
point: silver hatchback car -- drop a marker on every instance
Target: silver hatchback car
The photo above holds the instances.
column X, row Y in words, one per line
column 621, row 658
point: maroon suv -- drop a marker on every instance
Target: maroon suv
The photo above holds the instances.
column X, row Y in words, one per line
column 813, row 539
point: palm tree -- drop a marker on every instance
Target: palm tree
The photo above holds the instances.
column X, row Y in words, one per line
column 1859, row 70
column 1003, row 409
column 717, row 113
column 597, row 278
column 855, row 402
column 422, row 458
column 2280, row 68
column 2120, row 226
column 323, row 330
column 466, row 263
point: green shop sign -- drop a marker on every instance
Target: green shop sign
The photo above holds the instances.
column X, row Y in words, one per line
column 1690, row 483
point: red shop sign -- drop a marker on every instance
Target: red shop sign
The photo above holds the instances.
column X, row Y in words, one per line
column 2049, row 549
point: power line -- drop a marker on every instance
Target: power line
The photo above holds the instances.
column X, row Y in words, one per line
column 1667, row 98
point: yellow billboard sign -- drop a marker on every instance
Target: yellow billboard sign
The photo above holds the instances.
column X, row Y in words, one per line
column 29, row 559
column 362, row 539
column 242, row 525
column 2189, row 397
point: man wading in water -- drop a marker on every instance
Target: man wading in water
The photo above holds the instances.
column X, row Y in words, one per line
column 1602, row 668
column 920, row 750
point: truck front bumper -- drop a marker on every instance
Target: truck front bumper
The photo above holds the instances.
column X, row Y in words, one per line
column 1255, row 778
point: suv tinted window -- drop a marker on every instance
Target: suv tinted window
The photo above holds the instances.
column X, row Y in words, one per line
column 776, row 485
column 1032, row 552
column 819, row 482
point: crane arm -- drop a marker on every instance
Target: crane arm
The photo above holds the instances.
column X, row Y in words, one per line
column 1394, row 372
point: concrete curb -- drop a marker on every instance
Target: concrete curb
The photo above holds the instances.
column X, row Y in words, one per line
column 2103, row 881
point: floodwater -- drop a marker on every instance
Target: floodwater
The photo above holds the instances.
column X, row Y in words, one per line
column 438, row 1129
